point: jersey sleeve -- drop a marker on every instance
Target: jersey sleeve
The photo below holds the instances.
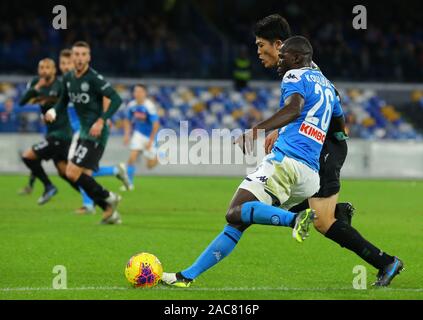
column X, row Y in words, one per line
column 128, row 113
column 293, row 82
column 63, row 101
column 29, row 93
column 337, row 108
column 152, row 111
column 104, row 88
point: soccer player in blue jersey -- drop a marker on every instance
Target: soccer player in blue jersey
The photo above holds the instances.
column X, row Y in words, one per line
column 142, row 121
column 334, row 219
column 289, row 174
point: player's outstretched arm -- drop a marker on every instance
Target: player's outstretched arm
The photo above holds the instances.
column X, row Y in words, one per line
column 291, row 110
column 60, row 106
column 29, row 94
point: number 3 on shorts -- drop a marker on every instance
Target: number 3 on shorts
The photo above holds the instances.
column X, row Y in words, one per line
column 80, row 153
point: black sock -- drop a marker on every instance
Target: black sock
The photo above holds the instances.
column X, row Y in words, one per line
column 347, row 237
column 300, row 207
column 341, row 212
column 71, row 183
column 94, row 190
column 38, row 171
column 31, row 180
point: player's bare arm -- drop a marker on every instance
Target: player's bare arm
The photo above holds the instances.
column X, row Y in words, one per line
column 291, row 111
column 154, row 131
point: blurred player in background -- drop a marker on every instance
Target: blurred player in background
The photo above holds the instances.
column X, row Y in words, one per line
column 141, row 125
column 332, row 220
column 143, row 122
column 88, row 206
column 45, row 90
column 85, row 88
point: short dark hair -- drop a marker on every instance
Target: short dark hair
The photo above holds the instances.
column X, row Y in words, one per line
column 82, row 44
column 141, row 85
column 67, row 53
column 300, row 45
column 272, row 28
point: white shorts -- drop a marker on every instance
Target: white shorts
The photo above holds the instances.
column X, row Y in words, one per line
column 139, row 142
column 285, row 184
column 73, row 145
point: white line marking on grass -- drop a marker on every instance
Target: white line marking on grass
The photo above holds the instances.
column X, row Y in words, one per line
column 206, row 289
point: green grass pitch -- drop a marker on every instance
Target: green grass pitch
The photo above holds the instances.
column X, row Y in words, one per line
column 175, row 219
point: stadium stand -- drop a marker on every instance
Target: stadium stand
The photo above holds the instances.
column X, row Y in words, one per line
column 199, row 39
column 213, row 107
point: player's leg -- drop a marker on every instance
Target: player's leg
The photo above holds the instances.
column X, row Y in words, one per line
column 278, row 183
column 119, row 171
column 151, row 155
column 137, row 145
column 29, row 187
column 344, row 211
column 87, row 156
column 325, row 212
column 348, row 237
column 32, row 159
column 339, row 231
column 61, row 160
column 88, row 205
column 94, row 190
column 250, row 204
column 133, row 157
column 218, row 249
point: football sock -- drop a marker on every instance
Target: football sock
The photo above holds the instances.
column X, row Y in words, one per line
column 256, row 212
column 131, row 173
column 86, row 200
column 71, row 183
column 106, row 171
column 300, row 207
column 31, row 180
column 38, row 171
column 347, row 237
column 218, row 249
column 94, row 190
column 341, row 214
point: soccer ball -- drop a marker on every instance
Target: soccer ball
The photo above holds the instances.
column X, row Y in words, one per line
column 143, row 270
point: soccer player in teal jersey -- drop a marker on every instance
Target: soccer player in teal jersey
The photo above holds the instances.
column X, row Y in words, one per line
column 85, row 88
column 45, row 90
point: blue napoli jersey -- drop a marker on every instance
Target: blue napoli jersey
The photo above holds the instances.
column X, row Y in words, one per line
column 303, row 138
column 142, row 116
column 73, row 118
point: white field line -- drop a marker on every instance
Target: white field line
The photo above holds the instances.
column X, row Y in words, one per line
column 24, row 289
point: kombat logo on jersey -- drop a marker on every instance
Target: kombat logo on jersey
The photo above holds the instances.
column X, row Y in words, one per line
column 312, row 132
column 85, row 86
